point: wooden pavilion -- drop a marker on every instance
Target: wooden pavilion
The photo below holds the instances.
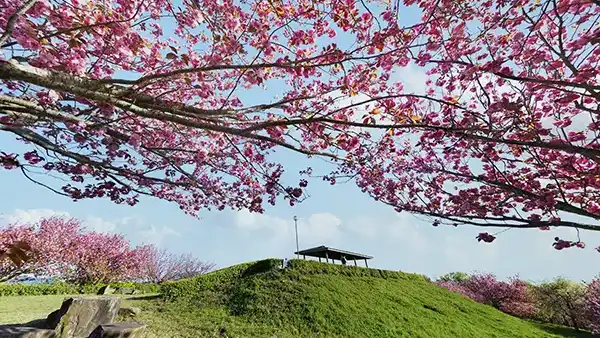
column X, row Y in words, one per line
column 333, row 254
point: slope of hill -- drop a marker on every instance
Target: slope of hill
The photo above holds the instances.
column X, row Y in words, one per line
column 309, row 299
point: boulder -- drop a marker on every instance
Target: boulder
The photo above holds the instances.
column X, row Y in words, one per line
column 79, row 316
column 129, row 311
column 120, row 330
column 106, row 290
column 18, row 331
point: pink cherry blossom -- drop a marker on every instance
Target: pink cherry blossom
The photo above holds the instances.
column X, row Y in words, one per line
column 190, row 103
column 61, row 248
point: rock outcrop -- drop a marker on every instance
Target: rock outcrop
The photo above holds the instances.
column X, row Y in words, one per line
column 129, row 311
column 19, row 331
column 120, row 330
column 79, row 316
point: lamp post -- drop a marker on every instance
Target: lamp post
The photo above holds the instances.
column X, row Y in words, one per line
column 297, row 246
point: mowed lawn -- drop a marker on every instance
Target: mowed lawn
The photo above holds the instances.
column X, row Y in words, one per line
column 306, row 299
column 22, row 309
column 178, row 320
column 181, row 321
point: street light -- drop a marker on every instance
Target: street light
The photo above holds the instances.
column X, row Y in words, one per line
column 297, row 246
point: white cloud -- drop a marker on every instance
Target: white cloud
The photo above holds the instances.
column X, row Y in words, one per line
column 413, row 78
column 142, row 231
column 136, row 228
column 316, row 229
column 98, row 224
column 401, row 228
column 152, row 234
column 29, row 216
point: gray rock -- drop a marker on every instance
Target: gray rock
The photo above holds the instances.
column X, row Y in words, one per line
column 120, row 330
column 129, row 311
column 79, row 316
column 18, row 331
column 106, row 290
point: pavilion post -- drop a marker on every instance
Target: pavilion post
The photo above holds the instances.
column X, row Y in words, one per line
column 319, row 259
column 303, row 256
column 355, row 262
column 367, row 264
column 326, row 257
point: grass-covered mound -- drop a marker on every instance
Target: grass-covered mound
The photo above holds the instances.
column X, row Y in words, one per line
column 310, row 299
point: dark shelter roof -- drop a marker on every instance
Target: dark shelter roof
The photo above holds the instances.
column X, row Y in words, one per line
column 324, row 252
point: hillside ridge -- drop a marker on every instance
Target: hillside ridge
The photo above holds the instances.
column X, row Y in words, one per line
column 308, row 299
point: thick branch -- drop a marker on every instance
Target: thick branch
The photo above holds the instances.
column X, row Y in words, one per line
column 457, row 131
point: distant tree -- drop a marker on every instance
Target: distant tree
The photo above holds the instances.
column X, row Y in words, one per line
column 511, row 297
column 592, row 305
column 162, row 265
column 454, row 277
column 61, row 247
column 561, row 302
column 52, row 243
column 104, row 258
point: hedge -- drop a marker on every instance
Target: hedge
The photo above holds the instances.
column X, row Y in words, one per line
column 70, row 289
column 306, row 267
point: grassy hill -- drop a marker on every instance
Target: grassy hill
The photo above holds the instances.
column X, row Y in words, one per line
column 311, row 299
column 307, row 299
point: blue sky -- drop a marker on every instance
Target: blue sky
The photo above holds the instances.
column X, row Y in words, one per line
column 339, row 216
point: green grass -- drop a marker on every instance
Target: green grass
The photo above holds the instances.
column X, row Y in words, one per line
column 22, row 309
column 308, row 300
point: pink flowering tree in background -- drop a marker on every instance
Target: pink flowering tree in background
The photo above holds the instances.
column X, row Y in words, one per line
column 53, row 243
column 105, row 258
column 592, row 305
column 61, row 248
column 162, row 266
column 511, row 296
column 131, row 98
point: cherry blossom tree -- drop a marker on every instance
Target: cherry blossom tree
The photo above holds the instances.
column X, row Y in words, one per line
column 508, row 127
column 106, row 258
column 61, row 247
column 592, row 305
column 162, row 265
column 52, row 243
column 511, row 296
column 131, row 98
column 134, row 98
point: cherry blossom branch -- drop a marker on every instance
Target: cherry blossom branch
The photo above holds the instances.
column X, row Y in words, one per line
column 12, row 20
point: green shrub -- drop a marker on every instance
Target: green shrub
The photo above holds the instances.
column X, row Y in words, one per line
column 37, row 289
column 61, row 288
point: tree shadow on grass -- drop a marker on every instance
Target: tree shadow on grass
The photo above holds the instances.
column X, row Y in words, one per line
column 565, row 331
column 23, row 328
column 143, row 297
